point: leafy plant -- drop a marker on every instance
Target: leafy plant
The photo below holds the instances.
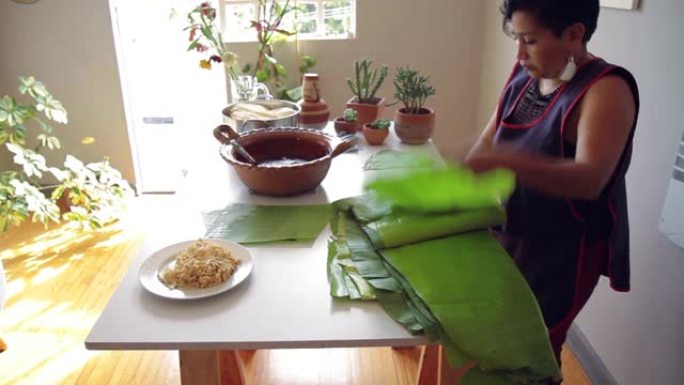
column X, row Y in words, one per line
column 349, row 115
column 269, row 30
column 94, row 191
column 381, row 124
column 205, row 35
column 412, row 89
column 366, row 82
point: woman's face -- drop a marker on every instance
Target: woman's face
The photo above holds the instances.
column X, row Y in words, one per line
column 540, row 52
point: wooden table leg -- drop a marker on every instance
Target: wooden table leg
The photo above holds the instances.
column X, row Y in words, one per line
column 211, row 367
column 434, row 368
column 428, row 365
column 231, row 368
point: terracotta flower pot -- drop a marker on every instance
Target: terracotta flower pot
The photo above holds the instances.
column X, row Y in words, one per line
column 343, row 127
column 315, row 112
column 367, row 113
column 374, row 136
column 414, row 128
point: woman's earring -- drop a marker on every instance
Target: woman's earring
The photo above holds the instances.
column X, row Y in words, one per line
column 569, row 70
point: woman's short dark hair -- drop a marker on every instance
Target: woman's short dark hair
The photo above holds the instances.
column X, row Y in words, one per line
column 555, row 15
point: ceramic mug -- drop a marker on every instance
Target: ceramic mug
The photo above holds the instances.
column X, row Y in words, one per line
column 248, row 89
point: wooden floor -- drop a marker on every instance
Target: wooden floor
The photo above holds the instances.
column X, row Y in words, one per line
column 60, row 279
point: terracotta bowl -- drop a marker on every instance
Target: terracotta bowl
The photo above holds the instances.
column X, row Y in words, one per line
column 290, row 160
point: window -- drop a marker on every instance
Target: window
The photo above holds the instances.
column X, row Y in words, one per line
column 313, row 19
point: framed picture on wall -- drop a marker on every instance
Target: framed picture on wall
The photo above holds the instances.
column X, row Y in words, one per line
column 622, row 4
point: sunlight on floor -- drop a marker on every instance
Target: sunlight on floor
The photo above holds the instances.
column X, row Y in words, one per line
column 54, row 296
column 57, row 357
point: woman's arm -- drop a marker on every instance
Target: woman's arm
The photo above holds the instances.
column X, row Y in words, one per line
column 606, row 116
column 484, row 142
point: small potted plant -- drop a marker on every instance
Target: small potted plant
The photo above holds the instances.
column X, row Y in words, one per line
column 376, row 132
column 347, row 123
column 413, row 123
column 364, row 86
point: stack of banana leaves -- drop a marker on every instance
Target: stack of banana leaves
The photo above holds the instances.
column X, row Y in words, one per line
column 418, row 244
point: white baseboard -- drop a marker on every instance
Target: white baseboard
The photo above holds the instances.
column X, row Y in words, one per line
column 586, row 355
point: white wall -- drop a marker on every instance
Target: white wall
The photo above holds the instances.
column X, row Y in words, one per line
column 68, row 44
column 638, row 335
column 644, row 342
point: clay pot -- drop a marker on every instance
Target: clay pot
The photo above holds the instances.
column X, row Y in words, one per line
column 367, row 113
column 414, row 128
column 374, row 136
column 343, row 127
column 290, row 160
column 315, row 111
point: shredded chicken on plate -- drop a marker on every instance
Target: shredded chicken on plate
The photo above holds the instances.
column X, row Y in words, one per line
column 201, row 265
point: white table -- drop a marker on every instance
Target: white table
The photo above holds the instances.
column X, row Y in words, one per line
column 299, row 314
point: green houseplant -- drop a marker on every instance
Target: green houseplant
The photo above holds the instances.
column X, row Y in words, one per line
column 364, row 85
column 348, row 122
column 92, row 194
column 413, row 123
column 375, row 133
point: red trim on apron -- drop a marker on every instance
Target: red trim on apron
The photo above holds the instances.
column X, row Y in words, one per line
column 527, row 126
column 503, row 92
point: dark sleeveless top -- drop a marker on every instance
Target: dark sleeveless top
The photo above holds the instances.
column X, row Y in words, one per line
column 560, row 228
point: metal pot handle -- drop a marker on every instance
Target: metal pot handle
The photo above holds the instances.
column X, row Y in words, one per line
column 225, row 133
column 343, row 145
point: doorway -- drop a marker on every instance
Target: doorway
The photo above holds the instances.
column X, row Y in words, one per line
column 171, row 103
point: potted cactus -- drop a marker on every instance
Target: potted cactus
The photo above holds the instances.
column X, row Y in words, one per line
column 376, row 132
column 413, row 123
column 347, row 123
column 364, row 85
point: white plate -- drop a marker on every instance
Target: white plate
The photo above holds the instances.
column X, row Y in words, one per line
column 155, row 264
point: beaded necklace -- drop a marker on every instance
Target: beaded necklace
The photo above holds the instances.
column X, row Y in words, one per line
column 532, row 104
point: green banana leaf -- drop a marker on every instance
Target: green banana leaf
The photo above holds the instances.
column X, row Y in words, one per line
column 365, row 208
column 344, row 275
column 409, row 239
column 447, row 189
column 388, row 227
column 482, row 302
column 349, row 247
column 392, row 159
column 244, row 223
column 401, row 229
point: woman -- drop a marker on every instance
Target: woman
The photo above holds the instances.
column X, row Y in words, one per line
column 564, row 125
